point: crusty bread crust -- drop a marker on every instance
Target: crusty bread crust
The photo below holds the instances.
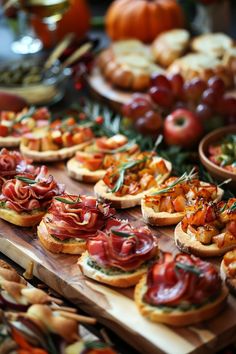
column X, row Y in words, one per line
column 189, row 244
column 121, row 281
column 82, row 174
column 215, row 44
column 21, row 219
column 127, row 201
column 159, row 219
column 52, row 155
column 163, row 218
column 10, row 141
column 229, row 281
column 177, row 318
column 57, row 246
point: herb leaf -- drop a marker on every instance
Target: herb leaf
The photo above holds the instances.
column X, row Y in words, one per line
column 125, row 166
column 67, row 201
column 184, row 178
column 25, row 179
column 188, row 268
column 122, row 233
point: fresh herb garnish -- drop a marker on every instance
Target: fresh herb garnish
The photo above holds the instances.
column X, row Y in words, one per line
column 28, row 114
column 123, row 148
column 233, row 207
column 188, row 268
column 122, row 169
column 26, row 180
column 122, row 233
column 67, row 201
column 95, row 345
column 184, row 178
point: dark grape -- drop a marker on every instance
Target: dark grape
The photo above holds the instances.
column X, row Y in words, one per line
column 150, row 123
column 137, row 106
column 210, row 97
column 204, row 111
column 160, row 80
column 177, row 83
column 193, row 89
column 217, row 84
column 162, row 96
column 229, row 120
column 228, row 105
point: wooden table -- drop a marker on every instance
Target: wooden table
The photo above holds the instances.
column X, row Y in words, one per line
column 115, row 308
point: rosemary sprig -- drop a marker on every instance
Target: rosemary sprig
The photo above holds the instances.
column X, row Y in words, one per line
column 123, row 148
column 95, row 345
column 184, row 178
column 233, row 207
column 122, row 233
column 67, row 201
column 26, row 180
column 28, row 114
column 123, row 168
column 188, row 268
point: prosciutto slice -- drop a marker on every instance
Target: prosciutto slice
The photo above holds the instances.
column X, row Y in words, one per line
column 122, row 246
column 172, row 280
column 74, row 216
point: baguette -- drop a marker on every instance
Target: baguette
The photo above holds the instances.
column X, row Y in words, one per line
column 128, row 201
column 122, row 280
column 21, row 219
column 227, row 270
column 10, row 141
column 188, row 243
column 74, row 246
column 155, row 218
column 177, row 317
column 52, row 155
column 77, row 171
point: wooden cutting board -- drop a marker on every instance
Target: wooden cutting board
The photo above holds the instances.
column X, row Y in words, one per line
column 113, row 307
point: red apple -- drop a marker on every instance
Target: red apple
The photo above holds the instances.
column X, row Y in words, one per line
column 183, row 128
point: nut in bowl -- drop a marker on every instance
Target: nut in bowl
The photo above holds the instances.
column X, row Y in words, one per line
column 31, row 81
column 217, row 153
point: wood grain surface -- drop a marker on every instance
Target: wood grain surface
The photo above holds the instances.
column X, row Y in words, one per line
column 115, row 308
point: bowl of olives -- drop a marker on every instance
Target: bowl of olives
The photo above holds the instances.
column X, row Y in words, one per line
column 31, row 81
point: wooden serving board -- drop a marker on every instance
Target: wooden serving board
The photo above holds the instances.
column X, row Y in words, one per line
column 115, row 308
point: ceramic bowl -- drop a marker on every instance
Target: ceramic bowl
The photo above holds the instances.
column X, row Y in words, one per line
column 217, row 172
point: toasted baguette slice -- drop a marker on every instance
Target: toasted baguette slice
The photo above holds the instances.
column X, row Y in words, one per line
column 21, row 219
column 170, row 45
column 73, row 246
column 10, row 141
column 77, row 171
column 52, row 155
column 188, row 243
column 163, row 218
column 177, row 317
column 230, row 281
column 122, row 280
column 214, row 44
column 127, row 201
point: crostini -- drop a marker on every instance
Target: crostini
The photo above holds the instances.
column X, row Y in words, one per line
column 208, row 229
column 128, row 180
column 180, row 290
column 70, row 221
column 119, row 256
column 14, row 125
column 228, row 270
column 25, row 199
column 90, row 165
column 60, row 141
column 167, row 204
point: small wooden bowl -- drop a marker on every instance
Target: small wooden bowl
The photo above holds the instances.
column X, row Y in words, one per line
column 219, row 173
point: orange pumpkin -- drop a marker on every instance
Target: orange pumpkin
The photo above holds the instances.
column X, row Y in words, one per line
column 142, row 19
column 76, row 19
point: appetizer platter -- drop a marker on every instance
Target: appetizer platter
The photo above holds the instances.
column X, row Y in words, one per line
column 105, row 302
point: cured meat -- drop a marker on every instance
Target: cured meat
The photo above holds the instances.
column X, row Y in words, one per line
column 183, row 278
column 71, row 216
column 122, row 246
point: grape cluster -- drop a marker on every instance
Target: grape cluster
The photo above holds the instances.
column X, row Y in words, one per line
column 207, row 99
